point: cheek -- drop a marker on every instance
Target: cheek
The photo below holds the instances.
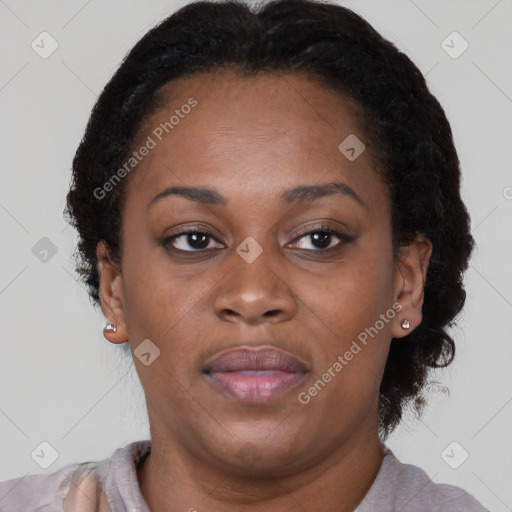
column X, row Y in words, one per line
column 170, row 305
column 161, row 307
column 156, row 297
column 350, row 296
column 344, row 310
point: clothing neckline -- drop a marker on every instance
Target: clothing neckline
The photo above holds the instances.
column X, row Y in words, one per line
column 134, row 454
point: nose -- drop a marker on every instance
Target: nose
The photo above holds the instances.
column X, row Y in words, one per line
column 254, row 293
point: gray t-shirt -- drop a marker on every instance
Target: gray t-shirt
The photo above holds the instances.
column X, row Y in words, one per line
column 111, row 486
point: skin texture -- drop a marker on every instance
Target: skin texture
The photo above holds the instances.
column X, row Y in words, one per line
column 251, row 139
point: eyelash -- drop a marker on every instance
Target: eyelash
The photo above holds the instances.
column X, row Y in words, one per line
column 344, row 239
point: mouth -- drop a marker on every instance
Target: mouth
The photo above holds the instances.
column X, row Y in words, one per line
column 254, row 375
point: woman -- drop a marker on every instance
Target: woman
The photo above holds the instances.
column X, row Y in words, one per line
column 269, row 214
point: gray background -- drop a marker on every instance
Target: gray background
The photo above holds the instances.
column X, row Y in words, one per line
column 62, row 383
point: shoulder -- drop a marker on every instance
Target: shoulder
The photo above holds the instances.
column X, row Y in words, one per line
column 406, row 487
column 67, row 488
column 44, row 493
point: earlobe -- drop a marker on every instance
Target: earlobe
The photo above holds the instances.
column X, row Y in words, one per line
column 411, row 270
column 111, row 295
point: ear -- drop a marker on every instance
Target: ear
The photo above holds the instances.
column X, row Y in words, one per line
column 410, row 278
column 111, row 294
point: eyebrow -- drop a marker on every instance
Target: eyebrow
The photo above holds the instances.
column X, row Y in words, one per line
column 312, row 192
column 294, row 195
column 198, row 194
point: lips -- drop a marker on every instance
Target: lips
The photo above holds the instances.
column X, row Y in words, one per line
column 257, row 360
column 254, row 375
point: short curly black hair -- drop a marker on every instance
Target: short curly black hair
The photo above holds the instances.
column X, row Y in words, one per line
column 405, row 126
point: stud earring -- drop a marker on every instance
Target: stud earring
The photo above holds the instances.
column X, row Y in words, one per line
column 405, row 324
column 110, row 327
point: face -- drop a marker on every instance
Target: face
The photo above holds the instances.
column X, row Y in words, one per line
column 289, row 249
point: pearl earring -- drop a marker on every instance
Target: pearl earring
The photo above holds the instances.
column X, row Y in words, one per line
column 405, row 324
column 110, row 327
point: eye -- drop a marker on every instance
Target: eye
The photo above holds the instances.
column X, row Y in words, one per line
column 321, row 239
column 192, row 240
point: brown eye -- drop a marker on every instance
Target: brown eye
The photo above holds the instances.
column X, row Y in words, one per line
column 192, row 241
column 322, row 239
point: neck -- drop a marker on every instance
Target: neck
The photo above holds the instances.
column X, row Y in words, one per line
column 172, row 479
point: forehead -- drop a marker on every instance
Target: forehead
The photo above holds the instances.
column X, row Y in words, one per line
column 259, row 133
